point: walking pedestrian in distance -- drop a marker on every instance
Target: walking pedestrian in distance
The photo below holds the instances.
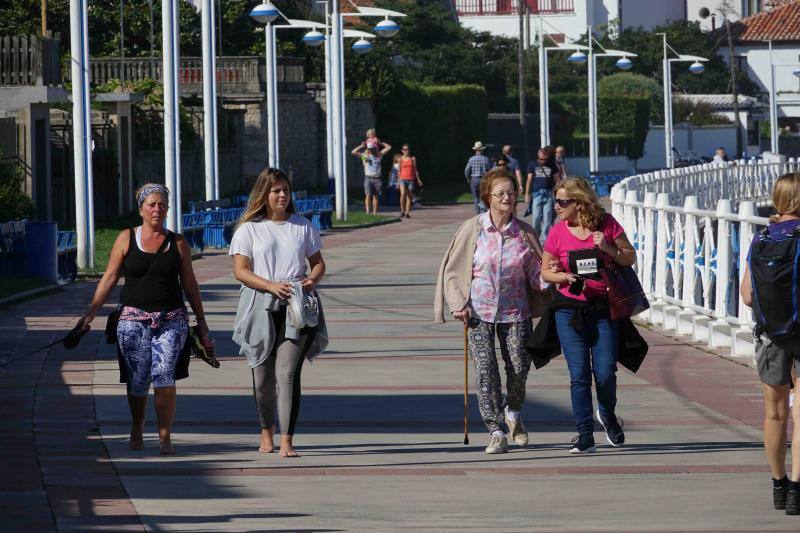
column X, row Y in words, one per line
column 720, row 157
column 513, row 165
column 409, row 180
column 543, row 175
column 561, row 162
column 270, row 249
column 584, row 238
column 501, row 161
column 371, row 156
column 477, row 166
column 153, row 324
column 490, row 279
column 768, row 291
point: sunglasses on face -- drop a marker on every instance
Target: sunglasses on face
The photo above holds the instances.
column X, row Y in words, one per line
column 565, row 203
column 501, row 164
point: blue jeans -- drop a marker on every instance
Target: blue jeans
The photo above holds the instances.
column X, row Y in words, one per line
column 475, row 187
column 542, row 212
column 592, row 351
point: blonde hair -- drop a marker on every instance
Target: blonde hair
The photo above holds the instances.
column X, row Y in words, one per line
column 590, row 212
column 490, row 178
column 396, row 158
column 786, row 196
column 258, row 204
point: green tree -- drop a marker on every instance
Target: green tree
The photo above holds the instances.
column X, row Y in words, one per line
column 633, row 84
column 14, row 203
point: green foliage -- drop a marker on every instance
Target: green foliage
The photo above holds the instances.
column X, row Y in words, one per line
column 618, row 117
column 696, row 113
column 14, row 203
column 439, row 122
column 633, row 84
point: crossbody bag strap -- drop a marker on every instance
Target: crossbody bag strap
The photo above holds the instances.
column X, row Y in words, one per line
column 167, row 240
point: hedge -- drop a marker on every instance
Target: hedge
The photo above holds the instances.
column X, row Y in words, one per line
column 625, row 115
column 439, row 122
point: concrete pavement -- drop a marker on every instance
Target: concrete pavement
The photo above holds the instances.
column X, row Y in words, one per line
column 380, row 429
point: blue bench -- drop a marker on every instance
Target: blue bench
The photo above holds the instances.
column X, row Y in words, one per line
column 603, row 183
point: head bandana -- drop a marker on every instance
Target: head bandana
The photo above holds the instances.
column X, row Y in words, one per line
column 150, row 189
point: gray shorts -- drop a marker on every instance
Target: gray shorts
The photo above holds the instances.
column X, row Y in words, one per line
column 373, row 186
column 408, row 184
column 775, row 362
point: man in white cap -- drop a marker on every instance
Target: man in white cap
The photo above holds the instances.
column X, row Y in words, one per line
column 477, row 166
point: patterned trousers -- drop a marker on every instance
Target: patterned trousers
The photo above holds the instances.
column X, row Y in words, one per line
column 513, row 337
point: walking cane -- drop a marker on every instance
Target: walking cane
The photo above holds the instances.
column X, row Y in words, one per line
column 466, row 387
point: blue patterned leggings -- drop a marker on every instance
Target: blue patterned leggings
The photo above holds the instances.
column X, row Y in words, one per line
column 150, row 353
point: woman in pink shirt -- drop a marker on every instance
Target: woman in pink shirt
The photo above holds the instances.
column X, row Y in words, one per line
column 490, row 279
column 583, row 240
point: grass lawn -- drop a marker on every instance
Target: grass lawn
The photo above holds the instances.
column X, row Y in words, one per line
column 356, row 216
column 11, row 286
column 446, row 193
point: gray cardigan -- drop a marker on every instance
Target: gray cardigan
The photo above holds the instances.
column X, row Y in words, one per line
column 254, row 331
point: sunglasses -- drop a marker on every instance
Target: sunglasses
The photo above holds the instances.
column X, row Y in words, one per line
column 565, row 203
column 501, row 164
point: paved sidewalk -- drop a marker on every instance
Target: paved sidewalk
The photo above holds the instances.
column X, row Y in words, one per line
column 380, row 429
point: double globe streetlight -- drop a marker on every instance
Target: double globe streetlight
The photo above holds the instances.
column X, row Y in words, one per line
column 333, row 38
column 581, row 54
column 696, row 67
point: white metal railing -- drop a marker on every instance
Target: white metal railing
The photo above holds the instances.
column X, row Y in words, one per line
column 692, row 228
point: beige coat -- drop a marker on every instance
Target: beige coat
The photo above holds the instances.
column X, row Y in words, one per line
column 455, row 273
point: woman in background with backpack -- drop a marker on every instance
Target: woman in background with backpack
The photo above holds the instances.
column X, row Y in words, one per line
column 777, row 348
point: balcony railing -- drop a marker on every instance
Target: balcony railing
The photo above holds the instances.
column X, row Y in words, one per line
column 30, row 60
column 235, row 75
column 466, row 8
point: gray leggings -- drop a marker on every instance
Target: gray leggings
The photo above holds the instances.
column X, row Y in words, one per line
column 279, row 374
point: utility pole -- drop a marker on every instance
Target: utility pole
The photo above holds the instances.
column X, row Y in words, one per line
column 726, row 10
column 523, row 119
column 44, row 18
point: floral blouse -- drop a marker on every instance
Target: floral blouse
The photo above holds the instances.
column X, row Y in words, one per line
column 502, row 267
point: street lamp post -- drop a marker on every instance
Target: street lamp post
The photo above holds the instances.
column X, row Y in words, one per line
column 172, row 164
column 773, row 101
column 579, row 56
column 266, row 14
column 209, row 101
column 82, row 133
column 696, row 68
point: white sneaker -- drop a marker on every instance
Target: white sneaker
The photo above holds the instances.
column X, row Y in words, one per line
column 497, row 444
column 516, row 429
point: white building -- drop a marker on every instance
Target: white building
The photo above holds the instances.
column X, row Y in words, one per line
column 567, row 19
column 781, row 25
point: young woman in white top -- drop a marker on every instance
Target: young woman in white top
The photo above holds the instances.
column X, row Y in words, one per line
column 270, row 248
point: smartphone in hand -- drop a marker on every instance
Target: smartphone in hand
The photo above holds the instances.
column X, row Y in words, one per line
column 576, row 287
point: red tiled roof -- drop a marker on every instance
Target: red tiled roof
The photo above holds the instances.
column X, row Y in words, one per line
column 781, row 23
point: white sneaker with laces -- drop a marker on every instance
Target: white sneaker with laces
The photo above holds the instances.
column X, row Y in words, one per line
column 497, row 444
column 516, row 429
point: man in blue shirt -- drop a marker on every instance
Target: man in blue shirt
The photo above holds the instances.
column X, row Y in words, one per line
column 477, row 166
column 543, row 175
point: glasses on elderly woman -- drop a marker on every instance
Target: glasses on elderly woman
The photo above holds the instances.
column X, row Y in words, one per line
column 503, row 194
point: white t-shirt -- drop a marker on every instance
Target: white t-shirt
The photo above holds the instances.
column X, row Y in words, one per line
column 277, row 250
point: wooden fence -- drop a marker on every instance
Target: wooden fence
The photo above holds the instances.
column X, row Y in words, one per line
column 29, row 60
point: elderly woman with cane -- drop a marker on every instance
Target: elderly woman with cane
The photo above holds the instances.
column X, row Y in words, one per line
column 490, row 279
column 153, row 322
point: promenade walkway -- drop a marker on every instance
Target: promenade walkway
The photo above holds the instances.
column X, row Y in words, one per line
column 380, row 429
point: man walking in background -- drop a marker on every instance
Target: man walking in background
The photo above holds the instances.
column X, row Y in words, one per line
column 561, row 162
column 371, row 155
column 513, row 165
column 477, row 166
column 542, row 177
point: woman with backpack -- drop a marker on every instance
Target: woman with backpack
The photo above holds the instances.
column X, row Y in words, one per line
column 768, row 280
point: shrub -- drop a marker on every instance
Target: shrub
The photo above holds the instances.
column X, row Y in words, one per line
column 14, row 203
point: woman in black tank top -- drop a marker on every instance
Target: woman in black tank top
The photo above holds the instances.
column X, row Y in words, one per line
column 153, row 325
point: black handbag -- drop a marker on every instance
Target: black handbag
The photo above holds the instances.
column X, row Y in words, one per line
column 113, row 317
